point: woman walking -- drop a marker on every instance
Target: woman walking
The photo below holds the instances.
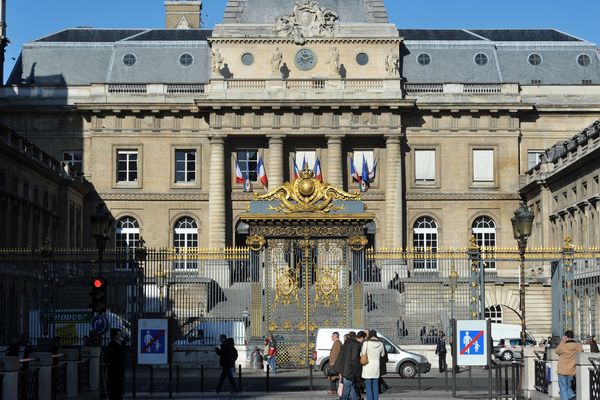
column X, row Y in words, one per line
column 372, row 352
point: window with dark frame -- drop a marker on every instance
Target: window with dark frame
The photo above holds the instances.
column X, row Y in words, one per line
column 74, row 158
column 127, row 165
column 247, row 160
column 185, row 166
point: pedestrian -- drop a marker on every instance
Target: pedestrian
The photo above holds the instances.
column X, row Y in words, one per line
column 333, row 373
column 422, row 333
column 430, row 336
column 116, row 358
column 272, row 353
column 372, row 352
column 567, row 352
column 349, row 362
column 265, row 355
column 440, row 351
column 594, row 345
column 227, row 356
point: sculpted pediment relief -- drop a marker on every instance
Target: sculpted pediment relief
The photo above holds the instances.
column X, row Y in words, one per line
column 308, row 19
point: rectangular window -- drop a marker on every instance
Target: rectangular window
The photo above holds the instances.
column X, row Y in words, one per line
column 309, row 157
column 127, row 165
column 185, row 165
column 74, row 158
column 533, row 158
column 247, row 161
column 483, row 165
column 424, row 165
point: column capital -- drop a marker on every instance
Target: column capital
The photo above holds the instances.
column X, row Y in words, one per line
column 392, row 139
column 335, row 137
column 275, row 137
column 217, row 138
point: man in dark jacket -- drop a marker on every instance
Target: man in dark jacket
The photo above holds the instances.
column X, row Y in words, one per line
column 349, row 362
column 227, row 357
column 115, row 355
column 440, row 350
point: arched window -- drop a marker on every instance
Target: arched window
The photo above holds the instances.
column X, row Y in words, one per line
column 494, row 313
column 484, row 230
column 127, row 234
column 185, row 236
column 425, row 240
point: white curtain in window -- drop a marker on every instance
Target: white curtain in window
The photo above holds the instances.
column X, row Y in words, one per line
column 483, row 165
column 309, row 156
column 425, row 165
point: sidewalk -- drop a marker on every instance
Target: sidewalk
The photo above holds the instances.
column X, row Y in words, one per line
column 424, row 395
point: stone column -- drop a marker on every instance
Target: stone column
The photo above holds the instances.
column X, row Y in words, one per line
column 393, row 193
column 43, row 361
column 275, row 166
column 216, row 193
column 72, row 360
column 334, row 161
column 93, row 354
column 9, row 372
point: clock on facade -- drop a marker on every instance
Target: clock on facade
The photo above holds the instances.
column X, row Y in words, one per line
column 305, row 59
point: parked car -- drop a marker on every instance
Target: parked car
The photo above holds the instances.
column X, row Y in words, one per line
column 501, row 331
column 404, row 363
column 510, row 348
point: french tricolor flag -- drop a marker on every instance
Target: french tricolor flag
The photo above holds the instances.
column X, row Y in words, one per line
column 261, row 173
column 296, row 172
column 239, row 177
column 355, row 175
column 317, row 170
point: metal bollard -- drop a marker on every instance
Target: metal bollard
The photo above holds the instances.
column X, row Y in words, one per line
column 240, row 377
column 151, row 380
column 470, row 379
column 446, row 377
column 202, row 379
column 419, row 372
column 310, row 373
column 177, row 380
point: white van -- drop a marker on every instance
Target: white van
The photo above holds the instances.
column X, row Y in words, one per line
column 402, row 362
column 507, row 331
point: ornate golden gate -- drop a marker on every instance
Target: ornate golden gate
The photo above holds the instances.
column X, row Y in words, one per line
column 310, row 237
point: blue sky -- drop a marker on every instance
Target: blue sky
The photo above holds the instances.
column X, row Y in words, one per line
column 29, row 20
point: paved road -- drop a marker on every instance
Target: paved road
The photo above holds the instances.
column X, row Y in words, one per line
column 294, row 384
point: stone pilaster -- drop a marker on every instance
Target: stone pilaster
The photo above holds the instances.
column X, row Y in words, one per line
column 275, row 167
column 334, row 161
column 393, row 194
column 216, row 193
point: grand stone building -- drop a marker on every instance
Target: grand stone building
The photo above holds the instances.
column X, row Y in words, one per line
column 437, row 128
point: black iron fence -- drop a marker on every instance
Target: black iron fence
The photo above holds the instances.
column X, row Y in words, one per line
column 28, row 384
column 506, row 378
column 59, row 381
column 83, row 375
column 541, row 376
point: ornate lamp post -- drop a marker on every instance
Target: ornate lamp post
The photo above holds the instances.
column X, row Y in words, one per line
column 453, row 277
column 102, row 221
column 522, row 223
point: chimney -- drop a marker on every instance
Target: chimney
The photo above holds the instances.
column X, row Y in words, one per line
column 183, row 14
column 3, row 39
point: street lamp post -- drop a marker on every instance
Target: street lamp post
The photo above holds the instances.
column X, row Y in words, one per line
column 101, row 223
column 453, row 277
column 521, row 224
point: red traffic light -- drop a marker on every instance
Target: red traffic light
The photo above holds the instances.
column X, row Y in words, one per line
column 98, row 283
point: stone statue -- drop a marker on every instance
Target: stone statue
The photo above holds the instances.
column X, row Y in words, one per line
column 307, row 19
column 334, row 61
column 276, row 61
column 217, row 61
column 392, row 62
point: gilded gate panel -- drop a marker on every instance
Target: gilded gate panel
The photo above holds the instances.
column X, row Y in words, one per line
column 306, row 287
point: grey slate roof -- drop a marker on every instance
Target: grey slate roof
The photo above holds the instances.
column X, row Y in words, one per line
column 267, row 11
column 562, row 148
column 84, row 56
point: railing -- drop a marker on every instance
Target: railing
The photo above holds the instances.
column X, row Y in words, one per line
column 125, row 88
column 185, row 89
column 594, row 378
column 541, row 376
column 246, row 84
column 475, row 88
column 28, row 384
column 1, row 387
column 363, row 84
column 317, row 84
column 415, row 88
column 59, row 380
column 507, row 376
column 83, row 375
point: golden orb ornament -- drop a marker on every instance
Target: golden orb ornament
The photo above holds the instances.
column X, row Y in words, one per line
column 306, row 187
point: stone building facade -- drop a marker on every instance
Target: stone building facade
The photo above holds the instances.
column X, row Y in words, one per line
column 40, row 197
column 436, row 127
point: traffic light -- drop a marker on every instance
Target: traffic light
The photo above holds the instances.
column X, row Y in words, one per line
column 98, row 295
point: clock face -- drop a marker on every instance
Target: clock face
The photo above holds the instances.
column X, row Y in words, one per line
column 305, row 59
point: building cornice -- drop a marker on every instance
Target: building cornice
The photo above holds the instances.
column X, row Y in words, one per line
column 414, row 196
column 133, row 196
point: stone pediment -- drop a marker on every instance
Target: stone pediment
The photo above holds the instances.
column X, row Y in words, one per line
column 308, row 19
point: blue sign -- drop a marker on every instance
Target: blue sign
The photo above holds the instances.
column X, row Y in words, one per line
column 99, row 324
column 152, row 341
column 472, row 343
